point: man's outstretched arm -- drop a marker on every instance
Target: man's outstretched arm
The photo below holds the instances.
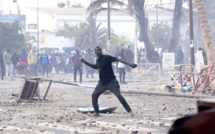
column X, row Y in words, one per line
column 127, row 63
column 88, row 64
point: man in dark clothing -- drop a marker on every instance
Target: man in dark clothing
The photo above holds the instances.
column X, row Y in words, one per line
column 24, row 56
column 77, row 65
column 2, row 66
column 15, row 59
column 129, row 56
column 107, row 79
column 179, row 56
column 45, row 63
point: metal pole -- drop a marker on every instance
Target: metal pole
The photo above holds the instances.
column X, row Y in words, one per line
column 156, row 34
column 135, row 45
column 108, row 41
column 38, row 45
column 91, row 41
column 192, row 57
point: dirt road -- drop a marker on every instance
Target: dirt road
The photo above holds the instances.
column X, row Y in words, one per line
column 58, row 115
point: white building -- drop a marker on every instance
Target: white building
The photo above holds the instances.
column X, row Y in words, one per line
column 52, row 19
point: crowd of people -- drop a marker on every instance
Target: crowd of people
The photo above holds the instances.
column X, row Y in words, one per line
column 31, row 64
column 28, row 63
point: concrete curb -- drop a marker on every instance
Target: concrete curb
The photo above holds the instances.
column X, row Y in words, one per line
column 165, row 94
column 162, row 93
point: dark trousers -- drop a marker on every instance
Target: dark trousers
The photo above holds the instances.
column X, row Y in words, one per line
column 89, row 71
column 122, row 74
column 45, row 69
column 2, row 71
column 79, row 69
column 114, row 87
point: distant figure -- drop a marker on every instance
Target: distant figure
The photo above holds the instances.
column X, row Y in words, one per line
column 2, row 66
column 54, row 64
column 15, row 59
column 24, row 56
column 200, row 59
column 45, row 63
column 107, row 79
column 143, row 56
column 129, row 56
column 7, row 62
column 31, row 62
column 89, row 58
column 77, row 65
column 67, row 63
column 121, row 66
column 179, row 56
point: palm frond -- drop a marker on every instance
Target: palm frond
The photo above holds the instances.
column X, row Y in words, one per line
column 96, row 4
column 117, row 3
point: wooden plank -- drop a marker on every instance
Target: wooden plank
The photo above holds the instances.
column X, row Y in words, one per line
column 30, row 85
column 21, row 91
column 83, row 109
column 27, row 93
column 48, row 80
column 35, row 85
column 47, row 90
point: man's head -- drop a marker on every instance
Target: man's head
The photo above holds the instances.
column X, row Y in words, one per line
column 98, row 51
column 43, row 52
column 77, row 51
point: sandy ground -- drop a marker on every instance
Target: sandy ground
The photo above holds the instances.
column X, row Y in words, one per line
column 154, row 114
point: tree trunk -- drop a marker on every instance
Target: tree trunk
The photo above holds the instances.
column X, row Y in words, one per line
column 152, row 55
column 206, row 31
column 176, row 26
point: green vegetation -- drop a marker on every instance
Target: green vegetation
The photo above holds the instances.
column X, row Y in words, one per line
column 160, row 35
column 11, row 37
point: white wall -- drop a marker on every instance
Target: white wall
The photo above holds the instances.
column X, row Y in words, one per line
column 52, row 41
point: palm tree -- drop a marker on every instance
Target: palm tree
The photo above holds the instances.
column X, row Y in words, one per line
column 136, row 9
column 210, row 12
column 91, row 35
column 68, row 31
column 176, row 25
column 206, row 32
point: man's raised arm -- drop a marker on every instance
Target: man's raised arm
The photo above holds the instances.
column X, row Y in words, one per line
column 88, row 64
column 127, row 63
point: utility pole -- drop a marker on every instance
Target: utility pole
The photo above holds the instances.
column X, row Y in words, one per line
column 38, row 45
column 192, row 57
column 156, row 34
column 108, row 41
column 135, row 45
column 91, row 18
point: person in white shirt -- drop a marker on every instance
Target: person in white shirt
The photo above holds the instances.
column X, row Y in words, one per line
column 121, row 66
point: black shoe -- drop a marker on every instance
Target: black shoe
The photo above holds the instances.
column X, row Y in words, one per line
column 95, row 115
column 131, row 114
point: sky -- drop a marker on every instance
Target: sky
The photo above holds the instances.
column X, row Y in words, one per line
column 41, row 3
column 8, row 5
column 53, row 3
